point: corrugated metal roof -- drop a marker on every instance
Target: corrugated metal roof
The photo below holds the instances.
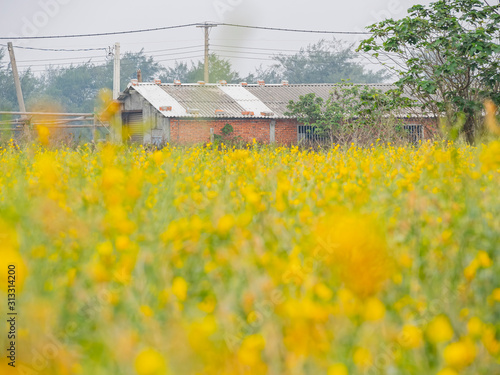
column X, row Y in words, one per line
column 277, row 97
column 160, row 98
column 246, row 99
column 206, row 99
column 230, row 101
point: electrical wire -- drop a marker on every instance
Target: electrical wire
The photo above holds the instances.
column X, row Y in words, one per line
column 184, row 26
column 60, row 49
column 99, row 34
column 130, row 64
column 88, row 60
column 85, row 59
column 296, row 30
column 246, row 58
column 92, row 57
column 491, row 6
column 257, row 48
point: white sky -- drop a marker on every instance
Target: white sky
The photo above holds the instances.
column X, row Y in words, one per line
column 58, row 17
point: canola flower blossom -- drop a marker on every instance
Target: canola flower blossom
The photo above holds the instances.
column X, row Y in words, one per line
column 264, row 260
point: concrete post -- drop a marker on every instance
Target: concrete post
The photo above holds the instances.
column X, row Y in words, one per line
column 272, row 131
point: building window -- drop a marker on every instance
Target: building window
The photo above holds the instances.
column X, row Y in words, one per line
column 309, row 134
column 415, row 132
column 133, row 127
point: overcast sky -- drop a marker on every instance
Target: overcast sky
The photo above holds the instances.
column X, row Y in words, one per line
column 62, row 17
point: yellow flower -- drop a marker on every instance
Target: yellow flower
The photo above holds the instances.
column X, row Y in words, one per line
column 439, row 330
column 249, row 353
column 146, row 311
column 459, row 354
column 180, row 288
column 490, row 157
column 484, row 259
column 43, row 134
column 338, row 369
column 447, row 371
column 411, row 337
column 495, row 295
column 150, row 362
column 111, row 177
column 405, row 260
column 350, row 243
column 158, row 157
column 208, row 304
column 362, row 358
column 105, row 249
column 122, row 243
column 99, row 272
column 475, row 326
column 225, row 224
column 471, row 269
column 374, row 309
column 489, row 340
column 323, row 292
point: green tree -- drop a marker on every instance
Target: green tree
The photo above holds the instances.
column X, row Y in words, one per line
column 219, row 69
column 31, row 86
column 179, row 71
column 75, row 88
column 447, row 54
column 353, row 113
column 322, row 62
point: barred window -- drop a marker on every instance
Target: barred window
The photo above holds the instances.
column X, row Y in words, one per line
column 309, row 134
column 415, row 132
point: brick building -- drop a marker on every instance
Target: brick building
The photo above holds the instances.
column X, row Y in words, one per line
column 189, row 113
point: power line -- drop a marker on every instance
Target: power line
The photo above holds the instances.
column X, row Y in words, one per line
column 174, row 49
column 247, row 52
column 492, row 6
column 85, row 58
column 296, row 30
column 246, row 58
column 88, row 60
column 60, row 49
column 260, row 49
column 198, row 24
column 129, row 64
column 99, row 34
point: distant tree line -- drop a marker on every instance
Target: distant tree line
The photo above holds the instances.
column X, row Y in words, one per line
column 75, row 88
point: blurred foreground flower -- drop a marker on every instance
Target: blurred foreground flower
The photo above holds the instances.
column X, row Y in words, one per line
column 150, row 362
column 490, row 119
column 355, row 246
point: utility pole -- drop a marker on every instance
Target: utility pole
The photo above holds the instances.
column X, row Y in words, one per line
column 116, row 73
column 207, row 26
column 17, row 82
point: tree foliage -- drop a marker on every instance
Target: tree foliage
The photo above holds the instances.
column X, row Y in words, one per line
column 219, row 68
column 322, row 62
column 447, row 54
column 30, row 84
column 353, row 113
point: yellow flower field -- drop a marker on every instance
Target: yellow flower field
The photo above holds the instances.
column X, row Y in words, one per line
column 205, row 260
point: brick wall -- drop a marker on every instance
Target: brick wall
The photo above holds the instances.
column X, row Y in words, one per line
column 286, row 131
column 430, row 125
column 198, row 130
column 189, row 130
